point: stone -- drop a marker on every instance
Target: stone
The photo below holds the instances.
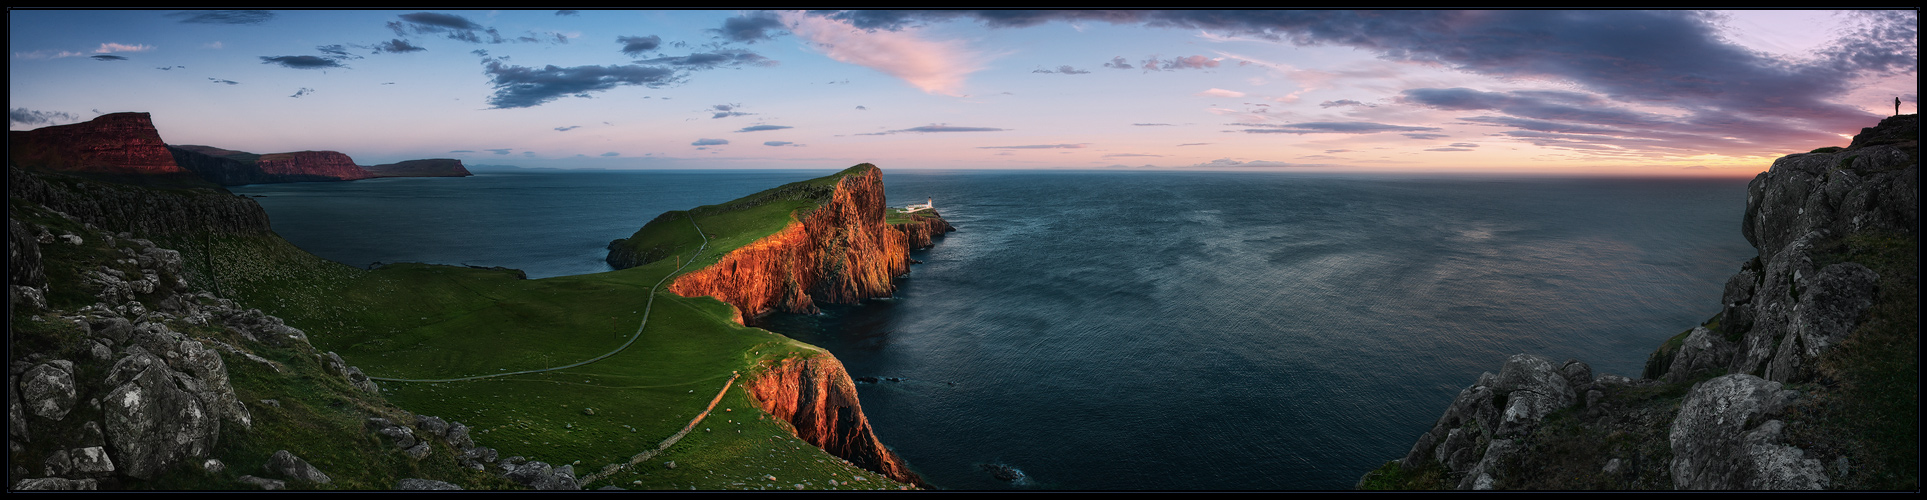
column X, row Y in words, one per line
column 294, row 468
column 48, row 389
column 213, row 466
column 418, row 451
column 540, row 476
column 151, row 421
column 56, row 484
column 1722, row 438
column 89, row 461
column 432, row 425
column 264, row 483
column 413, row 484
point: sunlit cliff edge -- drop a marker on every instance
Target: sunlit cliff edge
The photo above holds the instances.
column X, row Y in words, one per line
column 1807, row 378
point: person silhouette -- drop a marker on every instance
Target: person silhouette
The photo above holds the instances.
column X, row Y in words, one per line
column 1896, row 105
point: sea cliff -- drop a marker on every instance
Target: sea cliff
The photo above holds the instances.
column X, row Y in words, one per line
column 114, row 143
column 1806, row 378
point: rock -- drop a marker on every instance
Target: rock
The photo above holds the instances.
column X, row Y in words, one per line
column 457, row 437
column 48, row 389
column 418, row 451
column 294, row 468
column 89, row 461
column 264, row 483
column 152, row 422
column 439, row 167
column 540, row 476
column 1701, row 352
column 432, row 425
column 1533, row 389
column 413, row 484
column 56, row 484
column 114, row 143
column 1723, row 440
column 213, row 466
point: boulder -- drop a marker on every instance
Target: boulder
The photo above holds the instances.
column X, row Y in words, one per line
column 540, row 476
column 294, row 468
column 152, row 422
column 1724, row 439
column 48, row 389
column 413, row 484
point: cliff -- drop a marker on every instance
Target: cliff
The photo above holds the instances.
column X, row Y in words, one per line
column 1807, row 378
column 435, row 167
column 115, row 143
column 314, row 165
column 839, row 252
column 818, row 399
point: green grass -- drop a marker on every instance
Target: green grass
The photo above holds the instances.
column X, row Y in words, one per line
column 430, row 321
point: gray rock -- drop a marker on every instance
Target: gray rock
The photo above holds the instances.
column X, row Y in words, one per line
column 432, row 425
column 457, row 437
column 16, row 412
column 57, row 484
column 295, row 469
column 264, row 483
column 152, row 422
column 48, row 389
column 89, row 461
column 1720, row 439
column 1702, row 351
column 476, row 457
column 418, row 451
column 1533, row 388
column 540, row 476
column 402, row 436
column 413, row 484
column 213, row 466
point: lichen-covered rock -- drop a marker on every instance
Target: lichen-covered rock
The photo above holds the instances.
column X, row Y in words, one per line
column 263, row 483
column 1723, row 438
column 89, row 461
column 48, row 389
column 1703, row 351
column 57, row 484
column 540, row 476
column 414, row 484
column 152, row 422
column 294, row 468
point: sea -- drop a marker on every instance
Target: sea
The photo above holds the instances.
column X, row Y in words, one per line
column 1124, row 330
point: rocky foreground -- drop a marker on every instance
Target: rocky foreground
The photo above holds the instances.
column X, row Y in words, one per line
column 1807, row 379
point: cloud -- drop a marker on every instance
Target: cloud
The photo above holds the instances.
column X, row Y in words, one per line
column 1451, row 149
column 522, row 86
column 1118, row 63
column 937, row 128
column 760, row 128
column 1328, row 128
column 223, row 16
column 1152, row 125
column 26, row 116
column 709, row 142
column 778, row 143
column 217, row 80
column 751, row 28
column 107, row 57
column 108, row 48
column 170, row 68
column 635, row 46
column 610, row 154
column 303, row 62
column 1127, row 155
column 1426, row 137
column 460, row 28
column 570, row 13
column 1039, row 146
column 1463, row 145
column 1218, row 92
column 860, row 107
column 462, row 151
column 935, row 67
column 1345, row 102
column 397, row 46
column 337, row 52
column 568, row 128
column 1065, row 69
column 727, row 110
column 302, row 91
column 712, row 60
column 1230, row 163
column 1186, row 62
column 502, row 151
column 1196, row 144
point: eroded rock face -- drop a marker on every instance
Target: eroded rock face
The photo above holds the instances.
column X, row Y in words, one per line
column 152, row 422
column 816, row 396
column 115, row 143
column 1725, row 439
column 316, row 165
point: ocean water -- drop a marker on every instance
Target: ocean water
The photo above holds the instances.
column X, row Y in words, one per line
column 1140, row 330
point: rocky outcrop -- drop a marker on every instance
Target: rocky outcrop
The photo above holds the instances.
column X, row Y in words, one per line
column 1780, row 315
column 816, row 397
column 115, row 143
column 303, row 166
column 435, row 167
column 840, row 252
column 124, row 208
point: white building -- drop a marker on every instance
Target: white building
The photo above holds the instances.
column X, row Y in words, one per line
column 927, row 204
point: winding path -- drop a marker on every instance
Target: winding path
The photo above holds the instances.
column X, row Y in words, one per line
column 625, row 345
column 611, row 469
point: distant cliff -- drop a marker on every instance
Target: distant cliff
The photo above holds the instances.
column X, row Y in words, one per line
column 115, row 143
column 1808, row 378
column 436, row 167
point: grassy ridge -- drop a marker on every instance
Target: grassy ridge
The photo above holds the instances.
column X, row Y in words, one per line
column 430, row 321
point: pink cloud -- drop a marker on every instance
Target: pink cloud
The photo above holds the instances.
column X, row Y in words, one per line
column 934, row 66
column 1217, row 92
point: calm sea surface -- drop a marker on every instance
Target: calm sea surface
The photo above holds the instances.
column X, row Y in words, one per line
column 1124, row 330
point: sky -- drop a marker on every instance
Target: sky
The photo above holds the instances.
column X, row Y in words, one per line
column 1587, row 92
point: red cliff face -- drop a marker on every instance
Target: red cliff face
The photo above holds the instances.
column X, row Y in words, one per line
column 318, row 164
column 117, row 143
column 818, row 399
column 840, row 253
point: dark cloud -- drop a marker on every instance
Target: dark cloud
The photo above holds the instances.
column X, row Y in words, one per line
column 1065, row 69
column 26, row 116
column 861, row 108
column 303, row 62
column 302, row 91
column 461, row 151
column 522, row 86
column 108, row 57
column 337, row 52
column 712, row 60
column 1329, row 128
column 1426, row 137
column 224, row 16
column 1344, row 102
column 777, row 143
column 635, row 46
column 568, row 128
column 217, row 80
column 1038, row 146
column 610, row 154
column 1463, row 145
column 1666, row 59
column 709, row 142
column 937, row 128
column 168, row 68
column 752, row 27
column 760, row 128
column 428, row 20
column 727, row 110
column 460, row 28
column 1119, row 63
column 1186, row 62
column 570, row 13
column 500, row 151
column 397, row 46
column 1450, row 149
